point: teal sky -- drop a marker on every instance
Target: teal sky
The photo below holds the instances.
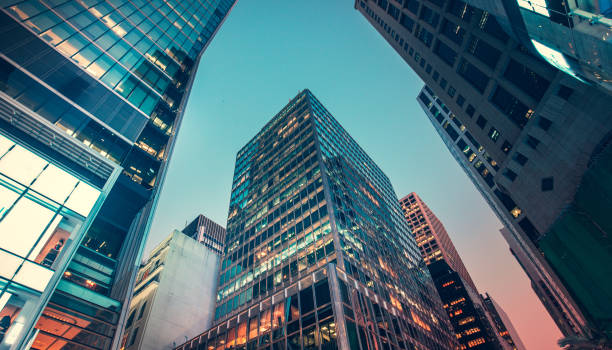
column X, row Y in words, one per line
column 269, row 50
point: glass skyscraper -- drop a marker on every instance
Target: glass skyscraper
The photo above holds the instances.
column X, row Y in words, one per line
column 91, row 95
column 318, row 253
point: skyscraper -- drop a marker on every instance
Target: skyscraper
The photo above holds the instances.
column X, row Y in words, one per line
column 534, row 140
column 431, row 236
column 207, row 232
column 91, row 97
column 503, row 324
column 174, row 295
column 318, row 254
column 471, row 322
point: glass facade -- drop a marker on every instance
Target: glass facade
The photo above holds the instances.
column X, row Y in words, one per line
column 93, row 85
column 314, row 221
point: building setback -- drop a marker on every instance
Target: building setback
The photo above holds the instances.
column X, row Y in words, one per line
column 534, row 140
column 91, row 96
column 502, row 323
column 174, row 296
column 431, row 236
column 317, row 249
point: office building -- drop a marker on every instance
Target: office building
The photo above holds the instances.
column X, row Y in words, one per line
column 91, row 97
column 502, row 323
column 534, row 140
column 174, row 296
column 462, row 297
column 570, row 35
column 431, row 236
column 318, row 254
column 465, row 309
column 207, row 232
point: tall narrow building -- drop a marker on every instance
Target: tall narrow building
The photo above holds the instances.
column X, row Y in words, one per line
column 431, row 236
column 533, row 139
column 318, row 254
column 502, row 322
column 91, row 96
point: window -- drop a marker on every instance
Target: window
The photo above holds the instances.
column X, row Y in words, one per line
column 526, row 79
column 460, row 9
column 435, row 75
column 532, row 142
column 473, row 75
column 393, row 11
column 547, row 184
column 486, row 53
column 506, row 147
column 481, row 121
column 520, row 158
column 509, row 174
column 489, row 25
column 429, row 16
column 544, row 123
column 443, row 83
column 493, row 134
column 445, row 53
column 424, row 36
column 452, row 31
column 142, row 310
column 428, row 69
column 511, row 106
column 470, row 110
column 451, row 91
column 412, row 6
column 407, row 22
column 564, row 92
column 460, row 100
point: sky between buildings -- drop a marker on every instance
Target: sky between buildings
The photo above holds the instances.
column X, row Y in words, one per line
column 269, row 50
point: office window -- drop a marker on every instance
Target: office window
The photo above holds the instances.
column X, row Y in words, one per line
column 407, row 22
column 544, row 123
column 481, row 121
column 424, row 36
column 412, row 6
column 514, row 109
column 506, row 147
column 383, row 4
column 470, row 110
column 509, row 174
column 460, row 100
column 435, row 75
column 460, row 9
column 428, row 69
column 443, row 83
column 526, row 79
column 489, row 25
column 547, row 184
column 493, row 134
column 532, row 142
column 393, row 11
column 429, row 16
column 445, row 53
column 452, row 31
column 520, row 158
column 451, row 91
column 473, row 75
column 564, row 92
column 484, row 52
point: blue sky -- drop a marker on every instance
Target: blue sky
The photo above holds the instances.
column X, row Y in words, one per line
column 269, row 50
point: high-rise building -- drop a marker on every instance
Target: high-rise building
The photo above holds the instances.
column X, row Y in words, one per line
column 431, row 236
column 570, row 35
column 502, row 323
column 475, row 327
column 534, row 140
column 468, row 315
column 318, row 254
column 174, row 296
column 207, row 232
column 91, row 97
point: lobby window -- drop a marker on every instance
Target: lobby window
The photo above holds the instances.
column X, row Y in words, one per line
column 452, row 31
column 473, row 75
column 446, row 54
column 486, row 53
column 516, row 111
column 526, row 79
column 547, row 184
column 481, row 121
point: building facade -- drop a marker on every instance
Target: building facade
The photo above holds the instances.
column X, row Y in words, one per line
column 431, row 236
column 465, row 310
column 534, row 140
column 502, row 323
column 207, row 232
column 570, row 35
column 318, row 254
column 91, row 97
column 174, row 296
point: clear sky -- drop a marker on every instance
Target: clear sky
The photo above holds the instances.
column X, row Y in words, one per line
column 269, row 50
